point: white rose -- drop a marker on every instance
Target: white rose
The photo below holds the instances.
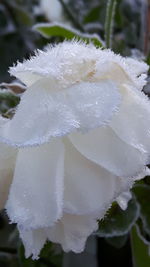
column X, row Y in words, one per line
column 53, row 10
column 79, row 138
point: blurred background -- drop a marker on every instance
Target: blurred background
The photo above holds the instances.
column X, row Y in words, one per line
column 122, row 25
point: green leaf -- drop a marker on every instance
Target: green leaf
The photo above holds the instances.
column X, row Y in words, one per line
column 53, row 253
column 140, row 254
column 87, row 258
column 119, row 222
column 56, row 29
column 142, row 233
column 117, row 241
column 8, row 101
column 142, row 194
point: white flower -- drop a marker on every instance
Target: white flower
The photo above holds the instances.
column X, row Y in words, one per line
column 53, row 10
column 80, row 138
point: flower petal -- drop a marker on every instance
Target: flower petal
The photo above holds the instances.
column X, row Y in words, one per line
column 40, row 115
column 72, row 231
column 35, row 198
column 7, row 165
column 94, row 104
column 132, row 122
column 88, row 187
column 85, row 106
column 123, row 199
column 74, row 61
column 33, row 241
column 105, row 148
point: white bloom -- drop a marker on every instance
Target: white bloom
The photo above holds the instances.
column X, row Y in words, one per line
column 79, row 138
column 53, row 10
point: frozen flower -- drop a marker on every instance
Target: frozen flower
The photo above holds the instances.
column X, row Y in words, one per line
column 79, row 139
column 53, row 10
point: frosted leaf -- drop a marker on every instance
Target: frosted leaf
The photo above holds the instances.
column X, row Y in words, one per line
column 44, row 113
column 105, row 148
column 132, row 121
column 35, row 198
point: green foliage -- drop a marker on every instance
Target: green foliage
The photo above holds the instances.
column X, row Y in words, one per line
column 50, row 30
column 8, row 101
column 117, row 241
column 50, row 256
column 119, row 222
column 142, row 193
column 140, row 253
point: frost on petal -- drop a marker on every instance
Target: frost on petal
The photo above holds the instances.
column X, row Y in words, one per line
column 44, row 113
column 88, row 187
column 132, row 122
column 40, row 115
column 35, row 198
column 105, row 148
column 33, row 241
column 94, row 104
column 72, row 231
column 138, row 67
column 71, row 62
column 121, row 70
column 123, row 199
column 68, row 62
column 7, row 165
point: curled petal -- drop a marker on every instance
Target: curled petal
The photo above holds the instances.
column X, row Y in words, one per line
column 88, row 187
column 123, row 199
column 105, row 148
column 82, row 106
column 74, row 61
column 33, row 241
column 35, row 198
column 132, row 121
column 72, row 231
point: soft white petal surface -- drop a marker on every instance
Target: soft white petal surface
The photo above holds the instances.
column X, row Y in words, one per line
column 105, row 148
column 35, row 198
column 88, row 187
column 33, row 241
column 72, row 231
column 43, row 113
column 7, row 165
column 132, row 122
column 123, row 199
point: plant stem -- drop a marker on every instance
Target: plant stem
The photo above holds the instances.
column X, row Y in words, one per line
column 109, row 21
